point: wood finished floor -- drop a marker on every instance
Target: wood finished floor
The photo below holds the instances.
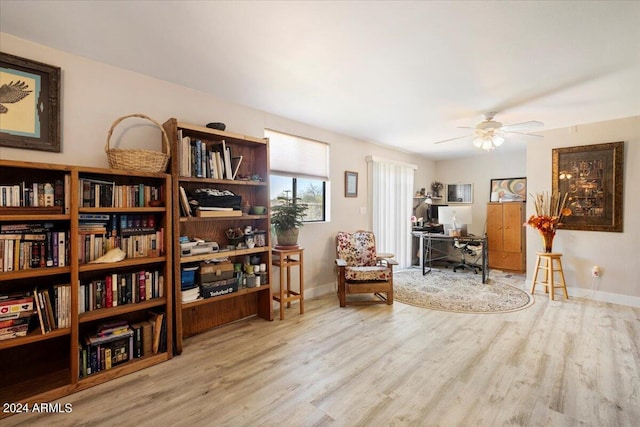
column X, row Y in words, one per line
column 560, row 363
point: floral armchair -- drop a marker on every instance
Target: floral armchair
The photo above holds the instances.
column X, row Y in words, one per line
column 361, row 270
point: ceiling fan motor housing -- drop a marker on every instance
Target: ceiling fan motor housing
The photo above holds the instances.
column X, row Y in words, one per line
column 489, row 124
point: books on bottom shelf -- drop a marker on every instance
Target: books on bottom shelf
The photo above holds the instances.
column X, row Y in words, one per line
column 119, row 341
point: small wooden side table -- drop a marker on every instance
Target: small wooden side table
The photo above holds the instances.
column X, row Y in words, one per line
column 552, row 264
column 284, row 259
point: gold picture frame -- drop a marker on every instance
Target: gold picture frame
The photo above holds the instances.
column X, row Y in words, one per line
column 29, row 104
column 592, row 175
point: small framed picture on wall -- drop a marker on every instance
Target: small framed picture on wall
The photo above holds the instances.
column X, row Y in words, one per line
column 350, row 184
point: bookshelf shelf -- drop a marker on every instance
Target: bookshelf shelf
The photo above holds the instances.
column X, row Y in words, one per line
column 47, row 387
column 222, row 254
column 252, row 156
column 42, row 367
column 34, row 217
column 30, row 272
column 121, row 370
column 34, row 336
column 103, row 313
column 240, row 292
column 224, row 181
column 126, row 263
column 122, row 210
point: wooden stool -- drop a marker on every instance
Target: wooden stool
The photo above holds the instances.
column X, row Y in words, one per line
column 284, row 259
column 548, row 280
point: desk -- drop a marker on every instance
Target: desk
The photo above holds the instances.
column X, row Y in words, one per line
column 284, row 259
column 435, row 247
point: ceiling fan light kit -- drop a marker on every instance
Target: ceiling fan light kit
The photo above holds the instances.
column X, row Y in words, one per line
column 490, row 134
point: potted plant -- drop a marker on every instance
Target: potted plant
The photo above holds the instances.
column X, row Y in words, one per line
column 286, row 219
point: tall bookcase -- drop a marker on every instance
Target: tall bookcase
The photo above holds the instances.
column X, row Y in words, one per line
column 41, row 366
column 194, row 317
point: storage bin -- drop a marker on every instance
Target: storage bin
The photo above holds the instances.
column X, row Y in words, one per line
column 210, row 272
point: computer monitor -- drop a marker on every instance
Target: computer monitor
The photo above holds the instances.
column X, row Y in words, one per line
column 433, row 212
column 455, row 217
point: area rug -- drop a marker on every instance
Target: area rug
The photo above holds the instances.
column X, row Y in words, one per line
column 460, row 292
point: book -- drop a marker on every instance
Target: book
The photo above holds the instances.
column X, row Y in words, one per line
column 49, row 309
column 184, row 202
column 147, row 337
column 226, row 152
column 156, row 320
column 235, row 163
column 42, row 315
column 137, row 340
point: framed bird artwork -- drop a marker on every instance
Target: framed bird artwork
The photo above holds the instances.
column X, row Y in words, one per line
column 29, row 104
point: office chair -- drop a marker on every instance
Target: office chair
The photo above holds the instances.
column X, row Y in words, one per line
column 467, row 248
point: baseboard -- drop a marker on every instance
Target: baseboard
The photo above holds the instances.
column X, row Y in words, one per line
column 602, row 296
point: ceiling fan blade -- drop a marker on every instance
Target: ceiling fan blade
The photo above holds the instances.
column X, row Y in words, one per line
column 452, row 139
column 529, row 124
column 465, row 127
column 523, row 133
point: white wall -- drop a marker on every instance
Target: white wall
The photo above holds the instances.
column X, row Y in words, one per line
column 616, row 254
column 479, row 171
column 95, row 94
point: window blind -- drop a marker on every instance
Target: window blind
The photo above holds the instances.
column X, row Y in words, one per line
column 294, row 156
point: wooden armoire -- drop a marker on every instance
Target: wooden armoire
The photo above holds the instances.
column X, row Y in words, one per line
column 506, row 236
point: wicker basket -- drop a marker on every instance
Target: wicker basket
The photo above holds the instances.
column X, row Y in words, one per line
column 138, row 160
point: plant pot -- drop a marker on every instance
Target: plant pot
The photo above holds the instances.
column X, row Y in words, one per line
column 287, row 237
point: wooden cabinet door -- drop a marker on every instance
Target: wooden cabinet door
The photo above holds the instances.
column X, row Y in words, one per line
column 512, row 227
column 494, row 227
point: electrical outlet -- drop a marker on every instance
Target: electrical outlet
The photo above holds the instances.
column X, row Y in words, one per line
column 595, row 271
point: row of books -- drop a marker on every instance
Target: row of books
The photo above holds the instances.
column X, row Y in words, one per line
column 207, row 160
column 118, row 342
column 120, row 289
column 146, row 244
column 25, row 250
column 54, row 309
column 36, row 194
column 96, row 193
column 47, row 308
column 115, row 223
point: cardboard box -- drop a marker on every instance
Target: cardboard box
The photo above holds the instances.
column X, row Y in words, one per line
column 212, row 272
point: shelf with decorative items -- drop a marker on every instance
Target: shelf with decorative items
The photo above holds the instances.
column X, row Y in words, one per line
column 59, row 249
column 221, row 223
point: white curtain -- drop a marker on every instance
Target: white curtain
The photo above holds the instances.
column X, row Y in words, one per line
column 391, row 189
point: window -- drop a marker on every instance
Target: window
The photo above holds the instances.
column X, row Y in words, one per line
column 300, row 169
column 309, row 191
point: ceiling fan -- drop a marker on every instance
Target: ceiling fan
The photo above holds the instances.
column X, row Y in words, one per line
column 490, row 134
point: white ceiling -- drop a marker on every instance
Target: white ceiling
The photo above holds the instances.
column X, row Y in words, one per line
column 397, row 73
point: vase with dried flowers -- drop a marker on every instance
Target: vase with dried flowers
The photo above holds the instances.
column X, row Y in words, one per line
column 550, row 210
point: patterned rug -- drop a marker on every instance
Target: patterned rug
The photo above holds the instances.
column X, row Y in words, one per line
column 460, row 292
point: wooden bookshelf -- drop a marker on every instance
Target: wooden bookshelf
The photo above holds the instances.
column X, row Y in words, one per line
column 192, row 318
column 45, row 366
